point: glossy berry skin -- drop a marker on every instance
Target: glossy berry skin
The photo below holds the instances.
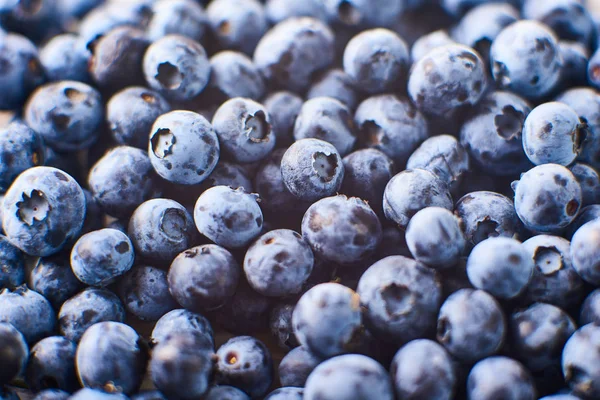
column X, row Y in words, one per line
column 312, row 169
column 177, row 67
column 585, row 252
column 377, row 60
column 346, row 377
column 181, row 366
column 589, row 180
column 182, row 17
column 43, row 209
column 87, row 308
column 109, row 355
column 66, row 114
column 245, row 362
column 286, row 393
column 590, row 309
column 12, row 273
column 296, row 366
column 283, row 108
column 203, row 277
column 337, row 84
column 122, row 180
column 280, row 325
column 53, row 278
column 28, row 311
column 412, row 190
column 51, row 365
column 225, row 392
column 327, row 319
column 446, row 79
column 435, row 238
column 428, row 42
column 160, row 229
column 52, row 394
column 392, row 294
column 233, row 74
column 422, row 369
column 20, row 148
column 229, row 217
column 244, row 130
column 131, row 112
column 580, row 358
column 96, row 394
column 392, row 125
column 499, row 374
column 183, row 322
column 183, row 147
column 293, row 50
column 471, row 325
column 525, row 59
column 14, row 350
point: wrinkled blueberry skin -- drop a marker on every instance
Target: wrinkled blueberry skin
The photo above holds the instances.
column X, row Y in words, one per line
column 575, row 61
column 336, row 84
column 122, row 180
column 87, row 308
column 327, row 318
column 245, row 313
column 493, row 134
column 53, row 278
column 111, row 354
column 278, row 263
column 222, row 392
column 181, row 17
column 145, row 293
column 23, row 71
column 554, row 280
column 68, row 115
column 392, row 125
column 52, row 394
column 20, row 148
column 471, row 325
column 526, row 60
column 400, row 297
column 12, row 272
column 95, row 394
column 14, row 352
column 99, row 257
column 43, row 209
column 183, row 322
column 293, row 50
column 326, row 119
column 312, row 169
column 584, row 216
column 183, row 147
column 411, row 191
column 552, row 133
column 280, row 325
column 203, row 277
column 181, row 366
column 233, row 74
column 585, row 252
column 245, row 362
column 346, row 377
column 589, row 180
column 435, row 238
column 296, row 366
column 590, row 309
column 422, row 369
column 229, row 217
column 286, row 393
column 580, row 361
column 51, row 365
column 27, row 311
column 377, row 60
column 495, row 375
column 177, row 67
column 538, row 334
column 244, row 130
column 131, row 112
column 160, row 229
column 446, row 79
column 283, row 108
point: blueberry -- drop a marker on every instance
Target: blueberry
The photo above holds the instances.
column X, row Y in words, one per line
column 65, row 58
column 525, row 59
column 148, row 395
column 244, row 130
column 593, row 70
column 585, row 252
column 15, row 353
column 228, row 174
column 296, row 366
column 111, row 356
column 51, row 365
column 377, row 60
column 412, row 190
column 87, row 308
column 183, row 322
column 584, row 216
column 53, row 278
column 225, row 392
column 36, row 20
column 428, row 42
column 590, row 309
column 94, row 394
column 392, row 125
column 229, row 217
column 182, row 17
column 233, row 74
column 77, row 8
column 422, row 369
column 360, row 13
column 245, row 362
column 589, row 179
column 237, row 24
column 160, row 229
column 28, row 311
column 293, row 50
column 312, row 169
column 326, row 119
column 20, row 148
column 279, row 10
column 346, row 377
column 12, row 273
column 560, row 397
column 286, row 393
column 446, row 79
column 283, row 108
column 245, row 313
column 181, row 366
column 500, row 376
column 336, row 84
column 575, row 61
column 280, row 324
column 52, row 394
column 8, row 394
column 341, row 229
column 177, row 67
column 130, row 114
column 183, row 147
column 580, row 360
column 471, row 325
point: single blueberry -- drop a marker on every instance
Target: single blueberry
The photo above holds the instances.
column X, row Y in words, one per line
column 181, row 17
column 28, row 311
column 286, row 393
column 500, row 376
column 15, row 353
column 581, row 360
column 183, row 322
column 283, row 107
column 51, row 365
column 12, row 272
column 233, row 74
column 589, row 179
column 337, row 84
column 53, row 278
column 296, row 366
column 20, row 149
column 585, row 252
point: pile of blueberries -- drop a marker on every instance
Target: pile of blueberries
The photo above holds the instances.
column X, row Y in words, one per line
column 299, row 199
